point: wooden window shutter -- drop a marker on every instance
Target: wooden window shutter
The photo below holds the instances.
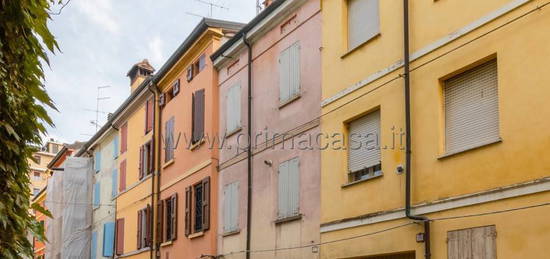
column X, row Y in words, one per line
column 160, row 226
column 149, row 114
column 151, row 157
column 139, row 230
column 198, row 116
column 119, row 236
column 141, row 169
column 146, row 116
column 122, row 184
column 206, row 203
column 188, row 203
column 472, row 243
column 124, row 138
column 149, row 228
column 174, row 216
column 189, row 73
column 193, row 118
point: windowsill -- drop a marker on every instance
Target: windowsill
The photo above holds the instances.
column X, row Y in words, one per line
column 146, row 249
column 359, row 46
column 167, row 243
column 489, row 143
column 289, row 101
column 196, row 145
column 231, row 233
column 233, row 132
column 363, row 180
column 167, row 164
column 195, row 235
column 288, row 219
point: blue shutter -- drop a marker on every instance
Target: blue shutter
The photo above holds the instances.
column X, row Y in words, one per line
column 115, row 147
column 96, row 195
column 108, row 238
column 114, row 187
column 97, row 160
column 94, row 245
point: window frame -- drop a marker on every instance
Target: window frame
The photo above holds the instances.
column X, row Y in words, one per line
column 191, row 207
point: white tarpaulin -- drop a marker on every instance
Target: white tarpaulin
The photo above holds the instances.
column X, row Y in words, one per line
column 69, row 196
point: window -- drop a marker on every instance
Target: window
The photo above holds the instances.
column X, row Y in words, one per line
column 119, row 236
column 170, row 218
column 289, row 73
column 124, row 138
column 115, row 147
column 289, row 189
column 55, row 148
column 97, row 161
column 108, row 239
column 35, row 191
column 114, row 183
column 233, row 109
column 93, row 250
column 471, row 108
column 198, row 116
column 363, row 21
column 97, row 195
column 176, row 87
column 197, row 207
column 144, row 228
column 194, row 69
column 169, row 140
column 472, row 243
column 146, row 159
column 231, row 207
column 364, row 152
column 122, row 184
column 36, row 159
column 37, row 176
column 149, row 115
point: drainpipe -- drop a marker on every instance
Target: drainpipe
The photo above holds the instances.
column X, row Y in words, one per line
column 153, row 223
column 408, row 169
column 249, row 149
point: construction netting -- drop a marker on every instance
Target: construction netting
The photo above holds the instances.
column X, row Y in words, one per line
column 68, row 198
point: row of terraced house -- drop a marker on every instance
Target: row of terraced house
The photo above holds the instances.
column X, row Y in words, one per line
column 373, row 129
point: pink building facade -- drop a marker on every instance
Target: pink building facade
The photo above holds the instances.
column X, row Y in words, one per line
column 284, row 159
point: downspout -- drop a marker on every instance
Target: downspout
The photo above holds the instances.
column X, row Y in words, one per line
column 249, row 150
column 152, row 216
column 408, row 169
column 159, row 143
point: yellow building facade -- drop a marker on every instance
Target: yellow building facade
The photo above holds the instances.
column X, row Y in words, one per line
column 479, row 138
column 136, row 167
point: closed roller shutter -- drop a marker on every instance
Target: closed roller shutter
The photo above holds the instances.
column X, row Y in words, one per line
column 366, row 131
column 363, row 21
column 471, row 108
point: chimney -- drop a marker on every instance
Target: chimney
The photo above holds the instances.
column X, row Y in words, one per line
column 139, row 72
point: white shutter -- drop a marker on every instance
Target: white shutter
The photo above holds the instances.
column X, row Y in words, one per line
column 363, row 21
column 231, row 207
column 289, row 72
column 366, row 153
column 233, row 108
column 471, row 108
column 289, row 188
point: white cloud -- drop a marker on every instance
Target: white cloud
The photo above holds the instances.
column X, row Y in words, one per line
column 155, row 49
column 101, row 13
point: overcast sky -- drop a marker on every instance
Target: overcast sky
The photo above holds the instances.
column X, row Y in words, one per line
column 101, row 39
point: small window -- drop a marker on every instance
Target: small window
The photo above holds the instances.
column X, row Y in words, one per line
column 37, row 176
column 471, row 108
column 231, row 207
column 195, row 68
column 202, row 62
column 363, row 21
column 289, row 189
column 36, row 159
column 169, row 140
column 289, row 73
column 146, row 158
column 364, row 148
column 55, row 148
column 198, row 116
column 170, row 218
column 479, row 242
column 233, row 109
column 144, row 227
column 197, row 207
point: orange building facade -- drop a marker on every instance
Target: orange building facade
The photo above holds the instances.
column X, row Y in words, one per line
column 186, row 212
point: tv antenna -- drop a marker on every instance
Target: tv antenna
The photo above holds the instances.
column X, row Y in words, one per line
column 212, row 5
column 97, row 111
